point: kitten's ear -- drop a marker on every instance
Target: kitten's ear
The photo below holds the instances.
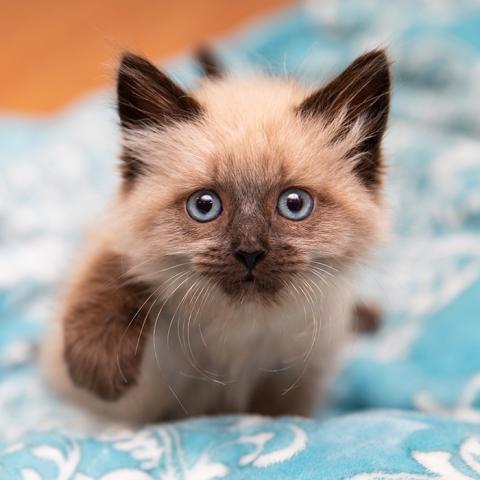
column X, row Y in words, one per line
column 147, row 97
column 209, row 63
column 361, row 92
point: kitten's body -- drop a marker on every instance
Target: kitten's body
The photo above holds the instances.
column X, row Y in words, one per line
column 222, row 343
column 235, row 359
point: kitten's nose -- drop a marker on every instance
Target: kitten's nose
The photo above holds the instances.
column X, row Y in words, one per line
column 249, row 259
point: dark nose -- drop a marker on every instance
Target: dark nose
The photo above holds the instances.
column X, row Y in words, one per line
column 249, row 259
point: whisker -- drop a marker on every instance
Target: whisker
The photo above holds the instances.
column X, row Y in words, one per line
column 197, row 295
column 170, row 281
column 315, row 271
column 141, row 330
column 150, row 260
column 176, row 310
column 131, row 322
column 326, row 266
column 192, row 359
column 159, row 313
column 195, row 288
column 193, row 301
column 177, row 398
column 306, row 357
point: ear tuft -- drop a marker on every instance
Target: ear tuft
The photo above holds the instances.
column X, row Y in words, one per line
column 147, row 97
column 360, row 92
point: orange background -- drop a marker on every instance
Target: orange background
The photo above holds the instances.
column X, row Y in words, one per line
column 54, row 50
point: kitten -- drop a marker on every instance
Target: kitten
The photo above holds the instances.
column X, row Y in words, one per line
column 220, row 278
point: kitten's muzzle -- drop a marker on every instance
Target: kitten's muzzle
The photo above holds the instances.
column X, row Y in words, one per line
column 249, row 259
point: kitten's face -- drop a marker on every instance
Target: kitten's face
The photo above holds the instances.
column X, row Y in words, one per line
column 250, row 193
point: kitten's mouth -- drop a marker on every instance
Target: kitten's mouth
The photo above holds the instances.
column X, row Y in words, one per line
column 248, row 278
column 253, row 285
column 248, row 284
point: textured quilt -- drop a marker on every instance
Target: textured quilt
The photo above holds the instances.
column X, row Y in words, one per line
column 406, row 405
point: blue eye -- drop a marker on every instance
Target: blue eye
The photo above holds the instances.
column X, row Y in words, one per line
column 295, row 204
column 204, row 206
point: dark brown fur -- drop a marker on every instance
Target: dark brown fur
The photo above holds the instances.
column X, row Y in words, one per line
column 290, row 397
column 367, row 318
column 147, row 97
column 362, row 90
column 100, row 343
column 209, row 63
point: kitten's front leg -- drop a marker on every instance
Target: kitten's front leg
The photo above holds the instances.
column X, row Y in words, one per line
column 278, row 394
column 104, row 328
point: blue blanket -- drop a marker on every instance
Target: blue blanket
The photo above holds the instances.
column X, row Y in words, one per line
column 407, row 404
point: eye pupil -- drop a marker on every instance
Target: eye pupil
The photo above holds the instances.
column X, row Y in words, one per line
column 294, row 202
column 204, row 203
column 204, row 206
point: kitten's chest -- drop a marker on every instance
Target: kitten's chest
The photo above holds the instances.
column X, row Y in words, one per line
column 226, row 345
column 216, row 362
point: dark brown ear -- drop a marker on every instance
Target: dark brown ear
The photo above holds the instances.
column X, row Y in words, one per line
column 362, row 91
column 209, row 63
column 147, row 97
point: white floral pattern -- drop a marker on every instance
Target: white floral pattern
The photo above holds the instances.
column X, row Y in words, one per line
column 160, row 450
column 438, row 465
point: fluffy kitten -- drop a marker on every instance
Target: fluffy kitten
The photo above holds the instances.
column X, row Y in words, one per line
column 219, row 279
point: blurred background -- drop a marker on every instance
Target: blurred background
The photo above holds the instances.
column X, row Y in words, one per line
column 53, row 51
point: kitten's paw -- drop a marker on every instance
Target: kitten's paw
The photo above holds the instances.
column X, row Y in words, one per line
column 367, row 317
column 100, row 370
column 104, row 329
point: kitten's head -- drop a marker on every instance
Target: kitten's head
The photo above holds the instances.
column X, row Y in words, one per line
column 251, row 183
